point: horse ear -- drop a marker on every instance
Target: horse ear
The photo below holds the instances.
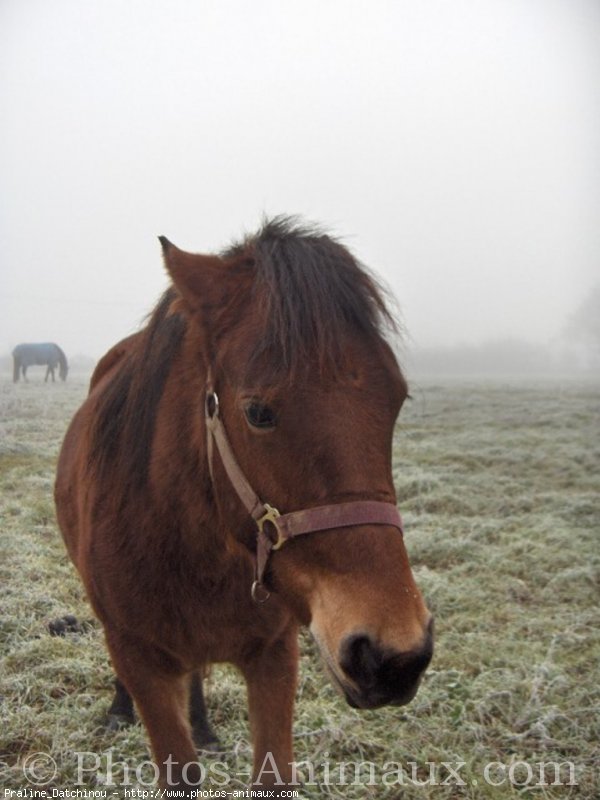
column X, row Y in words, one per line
column 198, row 278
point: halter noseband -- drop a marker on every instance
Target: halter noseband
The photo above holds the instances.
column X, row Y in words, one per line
column 273, row 528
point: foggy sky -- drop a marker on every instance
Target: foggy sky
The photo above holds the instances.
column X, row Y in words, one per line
column 454, row 146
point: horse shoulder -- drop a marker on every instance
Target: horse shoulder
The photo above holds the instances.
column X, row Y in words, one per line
column 69, row 475
column 75, row 452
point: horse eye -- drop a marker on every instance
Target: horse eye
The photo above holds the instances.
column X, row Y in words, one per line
column 260, row 415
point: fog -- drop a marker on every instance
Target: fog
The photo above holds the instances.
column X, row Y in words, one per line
column 453, row 146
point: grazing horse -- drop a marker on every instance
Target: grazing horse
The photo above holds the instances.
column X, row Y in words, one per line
column 29, row 355
column 229, row 478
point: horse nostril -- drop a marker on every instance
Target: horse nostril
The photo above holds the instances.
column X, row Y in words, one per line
column 361, row 660
column 383, row 676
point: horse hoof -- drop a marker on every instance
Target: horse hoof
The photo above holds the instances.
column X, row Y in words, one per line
column 207, row 744
column 116, row 722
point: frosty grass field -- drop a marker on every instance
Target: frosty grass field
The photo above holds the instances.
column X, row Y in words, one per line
column 498, row 485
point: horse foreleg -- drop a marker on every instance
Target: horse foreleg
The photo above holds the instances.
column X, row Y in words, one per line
column 204, row 736
column 271, row 681
column 161, row 693
column 121, row 713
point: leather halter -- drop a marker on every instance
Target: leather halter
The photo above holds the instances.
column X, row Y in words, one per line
column 273, row 528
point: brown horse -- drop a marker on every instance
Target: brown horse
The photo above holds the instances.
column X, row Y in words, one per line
column 262, row 375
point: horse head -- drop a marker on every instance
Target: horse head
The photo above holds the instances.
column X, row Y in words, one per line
column 289, row 327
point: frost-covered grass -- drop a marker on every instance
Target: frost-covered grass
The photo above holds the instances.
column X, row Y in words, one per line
column 498, row 485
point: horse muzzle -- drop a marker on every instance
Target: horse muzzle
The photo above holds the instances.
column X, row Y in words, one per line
column 372, row 676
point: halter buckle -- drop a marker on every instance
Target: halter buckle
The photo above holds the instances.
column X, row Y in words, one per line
column 271, row 515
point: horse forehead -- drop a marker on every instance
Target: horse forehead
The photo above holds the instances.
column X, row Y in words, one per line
column 367, row 372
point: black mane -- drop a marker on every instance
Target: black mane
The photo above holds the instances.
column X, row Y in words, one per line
column 127, row 408
column 315, row 291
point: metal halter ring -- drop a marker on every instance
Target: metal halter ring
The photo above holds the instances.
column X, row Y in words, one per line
column 213, row 411
column 259, row 594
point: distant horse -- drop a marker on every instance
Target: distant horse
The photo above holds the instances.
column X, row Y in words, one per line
column 262, row 375
column 29, row 355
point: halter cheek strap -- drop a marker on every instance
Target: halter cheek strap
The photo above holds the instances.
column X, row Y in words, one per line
column 273, row 528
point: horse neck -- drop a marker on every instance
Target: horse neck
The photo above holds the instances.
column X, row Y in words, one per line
column 179, row 468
